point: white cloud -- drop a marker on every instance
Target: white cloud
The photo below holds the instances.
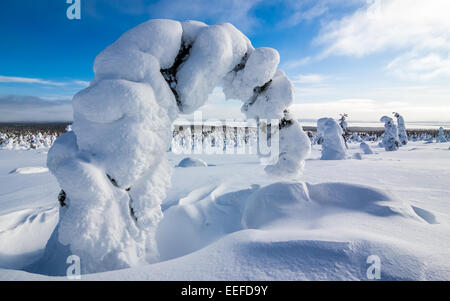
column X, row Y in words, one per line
column 236, row 12
column 414, row 65
column 371, row 110
column 308, row 79
column 304, row 14
column 296, row 63
column 389, row 24
column 418, row 29
column 29, row 80
column 14, row 108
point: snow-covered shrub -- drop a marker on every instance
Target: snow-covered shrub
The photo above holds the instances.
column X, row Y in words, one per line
column 333, row 146
column 112, row 166
column 357, row 156
column 402, row 135
column 441, row 136
column 390, row 139
column 365, row 148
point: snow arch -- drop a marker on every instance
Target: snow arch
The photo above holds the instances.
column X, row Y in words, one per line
column 112, row 166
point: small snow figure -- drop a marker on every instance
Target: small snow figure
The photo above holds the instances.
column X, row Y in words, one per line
column 402, row 135
column 333, row 146
column 390, row 139
column 441, row 137
column 365, row 148
column 345, row 131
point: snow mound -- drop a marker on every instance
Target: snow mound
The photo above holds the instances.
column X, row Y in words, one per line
column 357, row 156
column 425, row 215
column 29, row 170
column 274, row 202
column 192, row 162
column 17, row 247
column 365, row 148
column 190, row 226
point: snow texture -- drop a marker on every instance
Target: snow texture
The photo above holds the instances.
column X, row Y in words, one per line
column 112, row 166
column 390, row 139
column 230, row 222
column 333, row 145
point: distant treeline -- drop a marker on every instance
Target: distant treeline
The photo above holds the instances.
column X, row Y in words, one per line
column 17, row 129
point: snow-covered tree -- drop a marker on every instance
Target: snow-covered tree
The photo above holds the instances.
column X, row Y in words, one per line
column 390, row 139
column 112, row 166
column 441, row 137
column 402, row 135
column 365, row 148
column 344, row 125
column 333, row 146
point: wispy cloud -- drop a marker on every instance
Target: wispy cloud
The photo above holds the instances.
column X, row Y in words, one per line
column 237, row 12
column 389, row 24
column 29, row 80
column 296, row 63
column 17, row 108
column 309, row 78
column 421, row 66
column 371, row 110
column 418, row 30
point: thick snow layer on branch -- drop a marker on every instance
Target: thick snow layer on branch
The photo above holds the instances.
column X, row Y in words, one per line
column 112, row 166
column 333, row 146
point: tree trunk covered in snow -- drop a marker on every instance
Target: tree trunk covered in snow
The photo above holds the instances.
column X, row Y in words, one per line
column 112, row 167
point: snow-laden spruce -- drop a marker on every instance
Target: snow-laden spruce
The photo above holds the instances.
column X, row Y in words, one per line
column 112, row 166
column 390, row 139
column 402, row 135
column 441, row 136
column 333, row 145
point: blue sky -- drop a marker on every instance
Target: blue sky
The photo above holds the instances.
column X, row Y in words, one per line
column 364, row 57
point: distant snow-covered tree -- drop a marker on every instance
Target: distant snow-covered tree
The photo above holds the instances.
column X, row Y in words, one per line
column 333, row 145
column 441, row 137
column 402, row 135
column 390, row 140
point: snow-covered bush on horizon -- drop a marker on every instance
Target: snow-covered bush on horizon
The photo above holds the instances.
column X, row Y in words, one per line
column 333, row 145
column 113, row 162
column 390, row 140
column 441, row 137
column 402, row 135
column 365, row 148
